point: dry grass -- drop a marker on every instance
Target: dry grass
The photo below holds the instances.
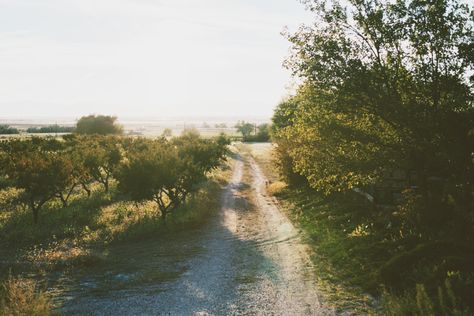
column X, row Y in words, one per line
column 276, row 188
column 224, row 173
column 20, row 296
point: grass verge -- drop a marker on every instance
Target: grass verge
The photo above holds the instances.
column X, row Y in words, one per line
column 353, row 257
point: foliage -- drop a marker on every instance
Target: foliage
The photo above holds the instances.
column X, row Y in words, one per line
column 50, row 129
column 98, row 124
column 387, row 86
column 418, row 302
column 168, row 171
column 167, row 132
column 5, row 129
column 43, row 169
column 101, row 156
column 253, row 132
column 165, row 171
column 282, row 119
column 41, row 172
column 245, row 128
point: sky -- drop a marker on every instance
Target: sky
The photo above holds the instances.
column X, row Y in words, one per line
column 144, row 58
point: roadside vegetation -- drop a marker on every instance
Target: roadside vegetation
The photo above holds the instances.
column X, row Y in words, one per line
column 377, row 147
column 63, row 199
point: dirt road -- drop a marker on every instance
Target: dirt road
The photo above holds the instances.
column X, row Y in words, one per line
column 248, row 260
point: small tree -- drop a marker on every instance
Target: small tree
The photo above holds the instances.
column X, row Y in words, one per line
column 167, row 132
column 151, row 174
column 167, row 172
column 101, row 157
column 199, row 156
column 70, row 175
column 40, row 174
column 76, row 148
column 245, row 128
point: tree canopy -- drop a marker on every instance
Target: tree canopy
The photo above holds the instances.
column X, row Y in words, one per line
column 6, row 129
column 161, row 170
column 98, row 124
column 387, row 87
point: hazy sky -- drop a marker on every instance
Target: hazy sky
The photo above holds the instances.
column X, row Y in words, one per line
column 144, row 57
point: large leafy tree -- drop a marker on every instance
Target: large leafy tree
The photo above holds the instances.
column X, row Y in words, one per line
column 98, row 124
column 385, row 87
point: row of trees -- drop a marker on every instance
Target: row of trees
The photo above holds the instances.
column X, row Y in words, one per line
column 86, row 125
column 50, row 129
column 165, row 171
column 387, row 85
column 8, row 130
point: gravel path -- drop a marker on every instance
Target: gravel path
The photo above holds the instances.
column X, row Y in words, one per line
column 249, row 260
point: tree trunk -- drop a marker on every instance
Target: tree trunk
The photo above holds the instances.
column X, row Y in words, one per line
column 63, row 200
column 35, row 214
column 88, row 191
column 164, row 212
